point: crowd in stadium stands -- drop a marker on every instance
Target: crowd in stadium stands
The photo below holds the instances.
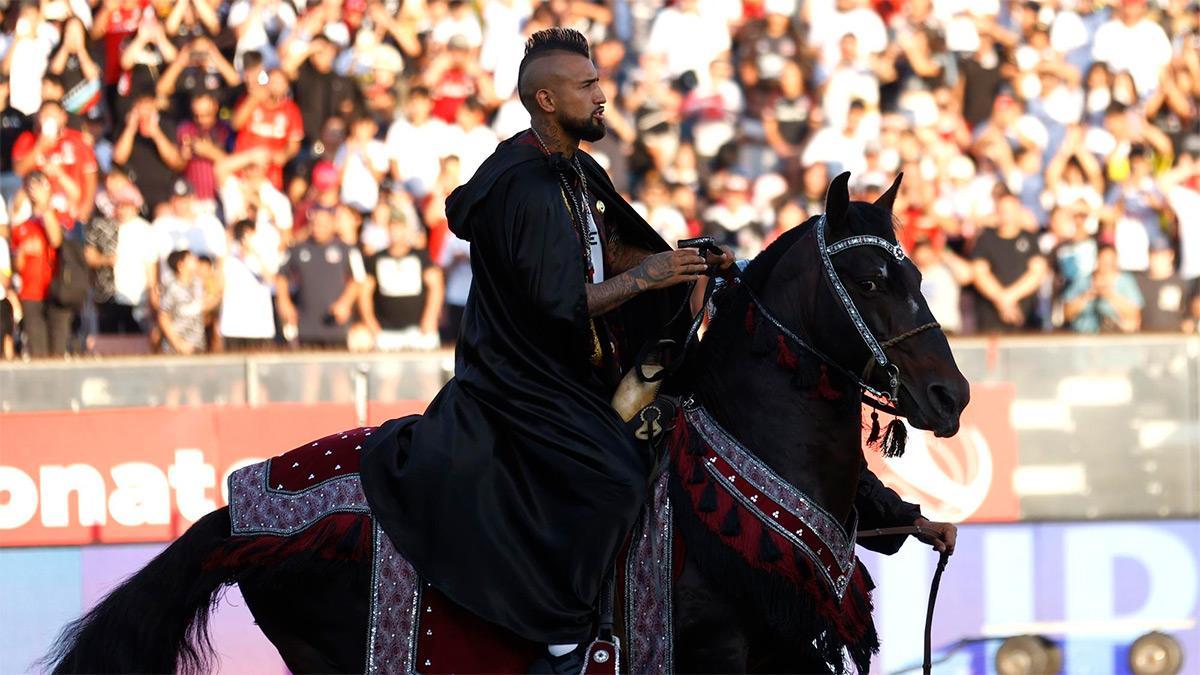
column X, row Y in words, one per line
column 213, row 175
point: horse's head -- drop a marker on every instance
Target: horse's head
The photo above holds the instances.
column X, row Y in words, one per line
column 861, row 269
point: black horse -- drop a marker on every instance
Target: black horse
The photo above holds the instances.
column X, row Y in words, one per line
column 781, row 370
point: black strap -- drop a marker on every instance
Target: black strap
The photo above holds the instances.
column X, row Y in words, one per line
column 607, row 589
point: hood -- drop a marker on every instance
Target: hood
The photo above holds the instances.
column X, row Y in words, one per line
column 459, row 205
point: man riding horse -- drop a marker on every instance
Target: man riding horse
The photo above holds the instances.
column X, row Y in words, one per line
column 515, row 490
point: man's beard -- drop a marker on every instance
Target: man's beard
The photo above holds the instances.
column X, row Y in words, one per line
column 587, row 129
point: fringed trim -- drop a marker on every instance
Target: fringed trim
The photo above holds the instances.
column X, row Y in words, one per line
column 895, row 439
column 758, row 564
column 338, row 536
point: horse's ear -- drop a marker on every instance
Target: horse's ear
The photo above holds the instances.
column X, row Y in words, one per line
column 837, row 200
column 887, row 199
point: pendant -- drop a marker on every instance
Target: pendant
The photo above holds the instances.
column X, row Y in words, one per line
column 600, row 207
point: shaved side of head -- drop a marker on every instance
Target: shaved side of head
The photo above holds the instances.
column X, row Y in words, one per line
column 543, row 49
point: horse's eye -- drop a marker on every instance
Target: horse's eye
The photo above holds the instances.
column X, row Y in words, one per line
column 869, row 285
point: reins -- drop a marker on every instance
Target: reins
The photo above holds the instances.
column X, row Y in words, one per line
column 943, row 558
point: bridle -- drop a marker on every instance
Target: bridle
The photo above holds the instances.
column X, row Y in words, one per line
column 886, row 401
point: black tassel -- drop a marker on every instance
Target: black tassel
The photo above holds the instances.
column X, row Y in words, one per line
column 695, row 449
column 732, row 526
column 708, row 499
column 874, row 437
column 699, row 475
column 895, row 438
column 768, row 552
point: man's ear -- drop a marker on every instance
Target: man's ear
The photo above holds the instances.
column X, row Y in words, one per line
column 837, row 200
column 545, row 100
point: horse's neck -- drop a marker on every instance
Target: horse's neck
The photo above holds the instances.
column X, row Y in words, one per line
column 813, row 442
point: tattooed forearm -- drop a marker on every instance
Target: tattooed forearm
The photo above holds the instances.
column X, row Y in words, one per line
column 612, row 293
column 658, row 270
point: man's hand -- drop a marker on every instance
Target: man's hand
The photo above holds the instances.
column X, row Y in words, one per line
column 719, row 263
column 941, row 536
column 662, row 270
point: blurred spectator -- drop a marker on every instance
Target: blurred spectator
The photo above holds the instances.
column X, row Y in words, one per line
column 46, row 325
column 363, row 162
column 1008, row 270
column 13, row 124
column 199, row 71
column 268, row 119
column 416, row 144
column 247, row 194
column 183, row 225
column 403, row 293
column 247, row 319
column 1181, row 186
column 63, row 156
column 455, row 76
column 1168, row 298
column 78, row 74
column 134, row 265
column 455, row 262
column 1108, row 302
column 316, row 289
column 321, row 92
column 943, row 275
column 182, row 307
column 146, row 151
column 203, row 141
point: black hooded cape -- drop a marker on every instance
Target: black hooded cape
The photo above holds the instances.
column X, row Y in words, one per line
column 515, row 489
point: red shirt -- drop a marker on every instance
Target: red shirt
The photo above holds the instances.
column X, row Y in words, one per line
column 272, row 127
column 73, row 154
column 450, row 92
column 34, row 259
column 122, row 22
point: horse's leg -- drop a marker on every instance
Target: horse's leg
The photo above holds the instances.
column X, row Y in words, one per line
column 315, row 615
column 709, row 634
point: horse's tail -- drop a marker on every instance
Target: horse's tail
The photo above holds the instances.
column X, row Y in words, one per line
column 157, row 620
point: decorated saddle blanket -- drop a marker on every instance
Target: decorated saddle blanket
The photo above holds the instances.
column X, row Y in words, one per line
column 761, row 535
column 311, row 500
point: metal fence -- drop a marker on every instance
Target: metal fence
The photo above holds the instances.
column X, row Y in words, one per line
column 1105, row 427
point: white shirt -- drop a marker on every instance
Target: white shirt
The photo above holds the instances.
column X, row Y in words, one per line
column 503, row 42
column 417, row 152
column 690, row 41
column 275, row 217
column 471, row 147
column 31, row 57
column 1143, row 49
column 137, row 250
column 246, row 303
column 597, row 249
column 360, row 188
column 1186, row 204
column 866, row 26
column 456, row 261
column 833, row 147
column 942, row 291
column 202, row 235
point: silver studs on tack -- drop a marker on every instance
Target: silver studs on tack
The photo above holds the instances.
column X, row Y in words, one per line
column 295, row 465
column 774, row 514
column 601, row 656
column 428, row 663
column 328, row 453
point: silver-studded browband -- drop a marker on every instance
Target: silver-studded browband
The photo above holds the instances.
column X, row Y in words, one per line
column 827, row 253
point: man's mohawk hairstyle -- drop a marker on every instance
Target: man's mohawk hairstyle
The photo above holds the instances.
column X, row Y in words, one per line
column 554, row 40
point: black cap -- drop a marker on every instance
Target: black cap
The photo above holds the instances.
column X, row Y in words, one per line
column 181, row 188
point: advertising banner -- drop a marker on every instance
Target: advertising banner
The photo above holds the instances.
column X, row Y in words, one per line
column 143, row 474
column 968, row 478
